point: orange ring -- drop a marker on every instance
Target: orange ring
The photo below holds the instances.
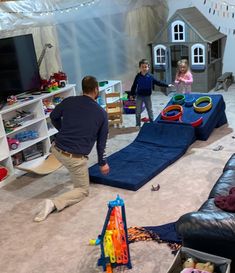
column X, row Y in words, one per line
column 172, row 108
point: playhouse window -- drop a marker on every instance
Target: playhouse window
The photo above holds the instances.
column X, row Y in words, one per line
column 159, row 55
column 198, row 54
column 178, row 31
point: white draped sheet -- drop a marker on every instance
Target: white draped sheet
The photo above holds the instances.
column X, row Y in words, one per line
column 104, row 38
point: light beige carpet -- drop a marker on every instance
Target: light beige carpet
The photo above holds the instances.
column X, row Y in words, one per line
column 61, row 243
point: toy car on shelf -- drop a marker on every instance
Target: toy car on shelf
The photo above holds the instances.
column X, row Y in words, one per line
column 55, row 81
column 13, row 143
column 61, row 78
column 57, row 100
column 27, row 135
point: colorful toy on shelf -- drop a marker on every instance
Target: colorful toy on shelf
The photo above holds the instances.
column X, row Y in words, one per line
column 18, row 120
column 57, row 100
column 10, row 125
column 27, row 135
column 48, row 106
column 11, row 100
column 113, row 239
column 13, row 143
column 44, row 84
column 61, row 78
column 3, row 173
column 49, row 85
column 56, row 81
column 52, row 86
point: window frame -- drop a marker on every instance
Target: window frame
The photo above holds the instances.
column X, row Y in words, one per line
column 161, row 47
column 177, row 22
column 199, row 46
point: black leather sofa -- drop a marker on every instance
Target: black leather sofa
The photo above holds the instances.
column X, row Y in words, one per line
column 211, row 229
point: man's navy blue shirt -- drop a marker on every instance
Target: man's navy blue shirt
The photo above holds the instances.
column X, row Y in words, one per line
column 81, row 122
column 143, row 84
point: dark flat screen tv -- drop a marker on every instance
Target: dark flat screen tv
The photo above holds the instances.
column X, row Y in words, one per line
column 19, row 72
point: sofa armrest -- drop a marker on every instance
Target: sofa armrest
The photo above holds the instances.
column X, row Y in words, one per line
column 207, row 225
column 230, row 165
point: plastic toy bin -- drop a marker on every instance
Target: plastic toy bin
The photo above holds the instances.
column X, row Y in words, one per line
column 221, row 265
column 129, row 107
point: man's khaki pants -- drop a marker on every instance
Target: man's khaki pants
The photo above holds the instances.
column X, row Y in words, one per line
column 78, row 170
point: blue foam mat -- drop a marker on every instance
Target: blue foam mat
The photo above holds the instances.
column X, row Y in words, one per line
column 156, row 147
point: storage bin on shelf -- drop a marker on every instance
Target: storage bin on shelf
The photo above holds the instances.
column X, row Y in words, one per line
column 129, row 106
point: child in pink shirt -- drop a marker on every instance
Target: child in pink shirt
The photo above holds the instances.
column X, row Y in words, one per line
column 183, row 78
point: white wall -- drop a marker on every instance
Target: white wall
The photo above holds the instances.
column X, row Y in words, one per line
column 221, row 18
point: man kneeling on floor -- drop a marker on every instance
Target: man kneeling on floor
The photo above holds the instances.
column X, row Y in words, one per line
column 80, row 122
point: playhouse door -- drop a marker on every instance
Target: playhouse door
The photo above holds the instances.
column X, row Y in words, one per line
column 177, row 52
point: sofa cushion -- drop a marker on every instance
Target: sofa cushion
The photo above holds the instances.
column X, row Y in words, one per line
column 217, row 225
column 230, row 165
column 225, row 182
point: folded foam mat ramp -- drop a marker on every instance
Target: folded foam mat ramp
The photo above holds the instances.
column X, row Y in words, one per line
column 157, row 145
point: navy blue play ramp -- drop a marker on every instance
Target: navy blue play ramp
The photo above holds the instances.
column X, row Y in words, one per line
column 157, row 146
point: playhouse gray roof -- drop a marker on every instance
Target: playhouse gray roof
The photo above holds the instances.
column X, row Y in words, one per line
column 200, row 24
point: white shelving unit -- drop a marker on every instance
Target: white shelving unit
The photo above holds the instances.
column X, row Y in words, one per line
column 39, row 123
column 110, row 87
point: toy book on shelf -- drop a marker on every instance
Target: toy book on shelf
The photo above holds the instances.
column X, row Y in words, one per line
column 113, row 239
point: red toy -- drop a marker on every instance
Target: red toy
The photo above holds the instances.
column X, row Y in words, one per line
column 3, row 173
column 60, row 77
column 11, row 100
column 13, row 143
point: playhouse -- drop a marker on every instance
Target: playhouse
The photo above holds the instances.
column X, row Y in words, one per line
column 189, row 35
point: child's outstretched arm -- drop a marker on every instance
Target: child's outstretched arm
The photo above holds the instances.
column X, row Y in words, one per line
column 160, row 83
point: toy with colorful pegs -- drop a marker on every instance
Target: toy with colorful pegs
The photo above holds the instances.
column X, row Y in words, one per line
column 113, row 239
